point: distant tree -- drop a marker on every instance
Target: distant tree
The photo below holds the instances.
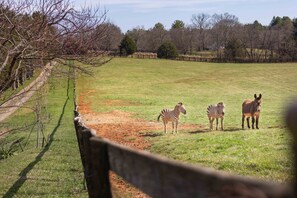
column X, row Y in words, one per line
column 182, row 38
column 177, row 24
column 202, row 23
column 257, row 25
column 234, row 49
column 295, row 28
column 127, row 46
column 138, row 34
column 275, row 21
column 252, row 38
column 167, row 50
column 224, row 28
column 110, row 38
column 159, row 26
column 156, row 36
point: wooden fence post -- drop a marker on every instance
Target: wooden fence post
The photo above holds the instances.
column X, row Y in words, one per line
column 100, row 167
column 78, row 130
column 291, row 119
column 86, row 135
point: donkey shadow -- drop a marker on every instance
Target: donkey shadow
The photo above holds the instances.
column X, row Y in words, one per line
column 233, row 129
column 206, row 130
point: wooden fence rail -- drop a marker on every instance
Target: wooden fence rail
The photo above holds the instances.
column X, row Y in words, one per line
column 213, row 58
column 160, row 177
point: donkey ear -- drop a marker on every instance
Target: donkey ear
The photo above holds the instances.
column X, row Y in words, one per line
column 180, row 103
column 260, row 96
column 255, row 96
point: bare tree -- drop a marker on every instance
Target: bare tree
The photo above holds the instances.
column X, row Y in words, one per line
column 202, row 23
column 109, row 38
column 156, row 36
column 182, row 38
column 36, row 31
column 223, row 30
column 139, row 36
column 252, row 38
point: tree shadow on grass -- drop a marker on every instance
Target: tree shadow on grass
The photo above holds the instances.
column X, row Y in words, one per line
column 23, row 174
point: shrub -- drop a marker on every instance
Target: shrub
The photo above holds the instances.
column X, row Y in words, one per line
column 167, row 50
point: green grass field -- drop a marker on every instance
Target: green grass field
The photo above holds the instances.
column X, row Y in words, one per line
column 54, row 170
column 151, row 85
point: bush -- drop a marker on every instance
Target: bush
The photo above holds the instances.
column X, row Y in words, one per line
column 127, row 46
column 167, row 50
column 234, row 49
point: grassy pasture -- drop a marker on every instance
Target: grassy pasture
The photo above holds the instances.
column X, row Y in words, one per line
column 54, row 170
column 148, row 86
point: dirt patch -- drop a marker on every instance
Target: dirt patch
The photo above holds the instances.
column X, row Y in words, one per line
column 122, row 128
column 120, row 103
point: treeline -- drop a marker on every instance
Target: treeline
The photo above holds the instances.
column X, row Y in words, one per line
column 34, row 32
column 219, row 36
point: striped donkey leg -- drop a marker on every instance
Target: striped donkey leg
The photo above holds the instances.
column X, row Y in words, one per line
column 211, row 123
column 165, row 126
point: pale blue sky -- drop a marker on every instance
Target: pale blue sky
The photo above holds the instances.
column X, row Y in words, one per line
column 128, row 14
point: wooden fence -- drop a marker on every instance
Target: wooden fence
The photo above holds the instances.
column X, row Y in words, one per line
column 160, row 177
column 235, row 60
column 149, row 55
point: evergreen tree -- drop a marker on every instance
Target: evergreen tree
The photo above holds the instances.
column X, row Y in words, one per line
column 127, row 46
column 167, row 50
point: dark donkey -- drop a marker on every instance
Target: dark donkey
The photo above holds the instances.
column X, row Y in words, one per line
column 251, row 109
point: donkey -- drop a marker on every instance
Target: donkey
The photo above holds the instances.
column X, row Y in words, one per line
column 251, row 109
column 216, row 112
column 172, row 116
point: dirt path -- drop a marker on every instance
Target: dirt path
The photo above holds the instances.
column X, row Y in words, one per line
column 122, row 128
column 9, row 107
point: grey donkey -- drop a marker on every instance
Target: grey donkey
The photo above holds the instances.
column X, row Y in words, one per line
column 251, row 108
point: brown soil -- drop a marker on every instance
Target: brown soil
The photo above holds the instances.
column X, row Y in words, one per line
column 122, row 128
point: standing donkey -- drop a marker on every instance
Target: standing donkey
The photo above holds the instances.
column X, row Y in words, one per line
column 172, row 116
column 216, row 112
column 251, row 109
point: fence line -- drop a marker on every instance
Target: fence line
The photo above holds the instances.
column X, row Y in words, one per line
column 193, row 58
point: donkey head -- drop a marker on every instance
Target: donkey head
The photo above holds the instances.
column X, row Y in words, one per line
column 181, row 108
column 257, row 102
column 221, row 108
